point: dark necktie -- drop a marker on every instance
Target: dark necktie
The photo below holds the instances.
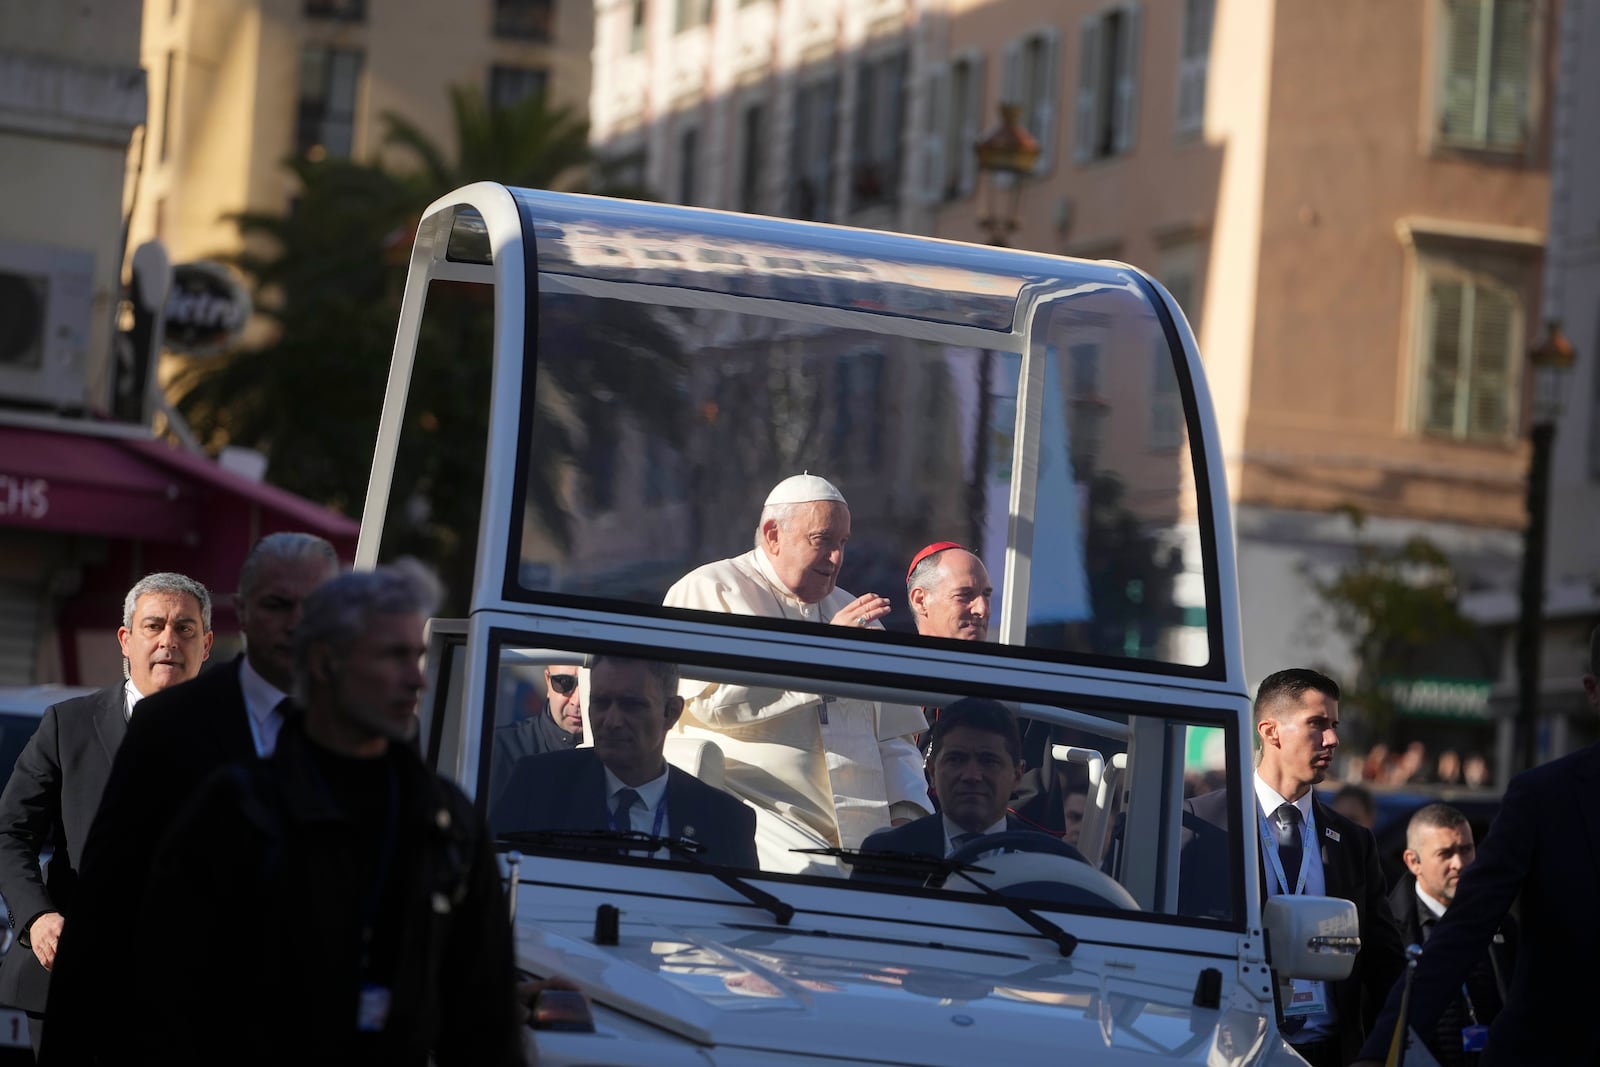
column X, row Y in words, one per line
column 1287, row 818
column 958, row 841
column 622, row 808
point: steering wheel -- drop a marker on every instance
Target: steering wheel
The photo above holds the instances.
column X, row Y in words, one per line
column 1016, row 841
column 1042, row 876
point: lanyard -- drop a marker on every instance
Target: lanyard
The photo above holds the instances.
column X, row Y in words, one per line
column 655, row 828
column 1269, row 849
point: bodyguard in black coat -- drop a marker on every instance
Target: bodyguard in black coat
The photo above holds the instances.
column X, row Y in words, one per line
column 632, row 704
column 55, row 788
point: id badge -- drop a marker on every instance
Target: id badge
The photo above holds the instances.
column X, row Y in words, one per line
column 1474, row 1037
column 1305, row 998
column 372, row 1009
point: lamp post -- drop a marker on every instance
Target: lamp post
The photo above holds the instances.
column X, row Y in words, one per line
column 1551, row 360
column 1006, row 155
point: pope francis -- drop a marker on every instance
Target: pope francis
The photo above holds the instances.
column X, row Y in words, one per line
column 833, row 769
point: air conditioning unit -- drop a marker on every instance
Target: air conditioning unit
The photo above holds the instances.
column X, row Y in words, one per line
column 46, row 301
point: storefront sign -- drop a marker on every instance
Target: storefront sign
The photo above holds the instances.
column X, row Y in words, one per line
column 207, row 309
column 1440, row 698
column 24, row 498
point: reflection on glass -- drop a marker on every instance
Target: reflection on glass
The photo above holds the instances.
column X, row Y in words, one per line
column 1028, row 408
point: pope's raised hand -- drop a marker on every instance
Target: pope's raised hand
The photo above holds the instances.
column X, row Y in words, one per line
column 864, row 610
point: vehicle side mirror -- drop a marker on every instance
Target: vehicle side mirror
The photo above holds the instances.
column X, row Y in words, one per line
column 1312, row 937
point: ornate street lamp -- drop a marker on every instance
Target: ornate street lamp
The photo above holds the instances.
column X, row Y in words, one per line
column 1551, row 360
column 1007, row 155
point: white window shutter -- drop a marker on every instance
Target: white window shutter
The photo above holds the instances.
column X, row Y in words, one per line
column 1083, row 127
column 932, row 164
column 1459, row 95
column 1011, row 73
column 1511, row 66
column 1043, row 120
column 971, row 124
column 1125, row 115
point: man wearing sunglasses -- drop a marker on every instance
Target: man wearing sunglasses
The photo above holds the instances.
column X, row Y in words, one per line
column 556, row 727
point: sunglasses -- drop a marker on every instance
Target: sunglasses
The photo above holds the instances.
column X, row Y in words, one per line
column 563, row 683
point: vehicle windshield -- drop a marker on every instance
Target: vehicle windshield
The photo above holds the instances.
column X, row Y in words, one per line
column 1035, row 416
column 1091, row 800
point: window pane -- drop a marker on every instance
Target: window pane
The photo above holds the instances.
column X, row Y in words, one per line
column 524, row 20
column 1444, row 356
column 1493, row 337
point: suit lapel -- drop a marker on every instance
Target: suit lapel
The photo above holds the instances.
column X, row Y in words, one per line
column 591, row 783
column 1588, row 774
column 1336, row 877
column 109, row 725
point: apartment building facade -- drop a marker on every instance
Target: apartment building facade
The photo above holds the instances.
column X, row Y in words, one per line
column 1349, row 201
column 238, row 86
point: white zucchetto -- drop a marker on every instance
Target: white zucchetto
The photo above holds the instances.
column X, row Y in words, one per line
column 803, row 489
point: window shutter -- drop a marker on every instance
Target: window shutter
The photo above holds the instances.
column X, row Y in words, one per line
column 1011, row 74
column 1458, row 119
column 1510, row 67
column 932, row 165
column 1126, row 112
column 1494, row 326
column 1192, row 62
column 972, row 125
column 1083, row 131
column 1042, row 122
column 1444, row 356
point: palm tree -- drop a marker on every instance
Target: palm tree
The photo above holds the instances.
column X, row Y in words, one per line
column 327, row 279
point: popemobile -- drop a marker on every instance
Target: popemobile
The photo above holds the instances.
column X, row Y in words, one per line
column 647, row 375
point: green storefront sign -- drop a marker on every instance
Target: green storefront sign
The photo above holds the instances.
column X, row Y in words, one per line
column 1440, row 698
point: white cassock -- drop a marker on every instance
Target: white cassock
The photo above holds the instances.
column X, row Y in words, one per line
column 831, row 766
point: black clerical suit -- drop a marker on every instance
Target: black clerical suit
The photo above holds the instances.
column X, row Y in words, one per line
column 1485, row 983
column 1350, row 870
column 49, row 802
column 179, row 736
column 567, row 791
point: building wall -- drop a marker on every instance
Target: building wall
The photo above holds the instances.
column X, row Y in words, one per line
column 235, row 96
column 1351, row 166
column 71, row 93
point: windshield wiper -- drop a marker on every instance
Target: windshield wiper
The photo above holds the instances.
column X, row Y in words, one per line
column 635, row 841
column 914, row 863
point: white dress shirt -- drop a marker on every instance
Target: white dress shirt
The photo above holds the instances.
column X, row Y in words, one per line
column 1325, row 1024
column 952, row 830
column 130, row 696
column 261, row 700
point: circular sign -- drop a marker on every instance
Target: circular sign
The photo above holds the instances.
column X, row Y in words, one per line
column 207, row 309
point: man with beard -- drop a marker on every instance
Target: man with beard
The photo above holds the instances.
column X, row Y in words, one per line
column 340, row 902
column 832, row 770
column 1307, row 848
column 53, row 793
column 1439, row 847
column 556, row 726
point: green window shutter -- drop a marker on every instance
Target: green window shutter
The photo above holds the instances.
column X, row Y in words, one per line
column 1511, row 66
column 1494, row 326
column 1458, row 120
column 1444, row 355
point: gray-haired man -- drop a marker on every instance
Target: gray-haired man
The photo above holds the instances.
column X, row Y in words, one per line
column 402, row 948
column 61, row 773
column 178, row 738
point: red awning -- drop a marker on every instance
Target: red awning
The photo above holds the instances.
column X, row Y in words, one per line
column 141, row 489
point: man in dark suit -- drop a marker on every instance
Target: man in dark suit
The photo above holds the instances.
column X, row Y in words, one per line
column 1307, row 847
column 624, row 782
column 1541, row 846
column 1439, row 847
column 976, row 754
column 59, row 777
column 179, row 737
